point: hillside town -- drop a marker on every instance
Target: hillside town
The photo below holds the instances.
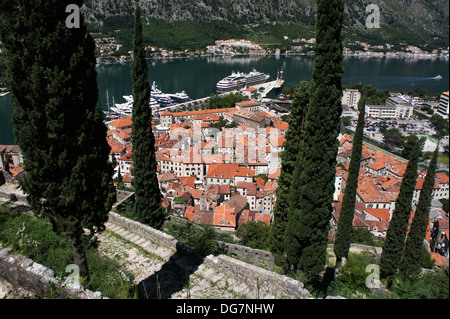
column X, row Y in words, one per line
column 108, row 50
column 328, row 181
column 228, row 177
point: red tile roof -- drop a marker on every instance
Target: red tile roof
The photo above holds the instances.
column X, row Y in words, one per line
column 121, row 122
column 224, row 216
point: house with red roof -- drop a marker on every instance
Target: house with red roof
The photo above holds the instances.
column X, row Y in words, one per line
column 126, row 161
column 120, row 123
column 418, row 188
column 228, row 174
column 248, row 216
column 225, row 217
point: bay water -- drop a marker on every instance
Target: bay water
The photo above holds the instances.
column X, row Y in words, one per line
column 198, row 77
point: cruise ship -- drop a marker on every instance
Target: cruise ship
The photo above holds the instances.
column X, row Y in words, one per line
column 239, row 80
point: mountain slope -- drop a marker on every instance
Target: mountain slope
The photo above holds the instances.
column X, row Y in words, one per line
column 420, row 20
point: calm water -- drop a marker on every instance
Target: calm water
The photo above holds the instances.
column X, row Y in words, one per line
column 198, row 77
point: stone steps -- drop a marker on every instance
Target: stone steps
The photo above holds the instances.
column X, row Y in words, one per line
column 205, row 282
column 163, row 252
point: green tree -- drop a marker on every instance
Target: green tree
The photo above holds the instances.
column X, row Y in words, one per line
column 288, row 157
column 253, row 234
column 408, row 145
column 441, row 125
column 148, row 208
column 57, row 124
column 2, row 69
column 345, row 224
column 414, row 243
column 392, row 138
column 398, row 226
column 311, row 192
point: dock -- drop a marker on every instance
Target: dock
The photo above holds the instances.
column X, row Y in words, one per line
column 265, row 88
column 192, row 103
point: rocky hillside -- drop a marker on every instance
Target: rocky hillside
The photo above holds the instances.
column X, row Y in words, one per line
column 421, row 18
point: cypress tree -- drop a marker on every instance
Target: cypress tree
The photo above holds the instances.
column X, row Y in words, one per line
column 288, row 159
column 57, row 124
column 398, row 226
column 148, row 209
column 311, row 193
column 345, row 224
column 413, row 249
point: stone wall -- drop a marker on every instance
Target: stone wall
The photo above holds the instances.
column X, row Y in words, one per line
column 12, row 193
column 144, row 231
column 262, row 280
column 123, row 195
column 257, row 277
column 30, row 279
column 257, row 257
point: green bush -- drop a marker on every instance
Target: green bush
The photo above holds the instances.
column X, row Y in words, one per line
column 429, row 285
column 200, row 238
column 254, row 235
column 34, row 238
column 351, row 280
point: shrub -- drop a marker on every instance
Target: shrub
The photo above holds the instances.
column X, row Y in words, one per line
column 200, row 238
column 351, row 279
column 254, row 235
column 35, row 239
column 429, row 285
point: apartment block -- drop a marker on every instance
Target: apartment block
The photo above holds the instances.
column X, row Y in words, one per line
column 443, row 108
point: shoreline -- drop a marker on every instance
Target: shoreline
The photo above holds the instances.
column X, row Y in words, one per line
column 402, row 56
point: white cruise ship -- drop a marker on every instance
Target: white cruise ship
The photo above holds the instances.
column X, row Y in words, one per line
column 239, row 80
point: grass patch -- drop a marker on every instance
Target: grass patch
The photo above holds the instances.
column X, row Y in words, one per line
column 34, row 238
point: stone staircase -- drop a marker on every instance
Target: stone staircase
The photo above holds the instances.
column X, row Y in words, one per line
column 164, row 273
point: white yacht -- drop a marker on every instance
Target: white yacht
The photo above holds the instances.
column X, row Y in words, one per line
column 126, row 108
column 180, row 97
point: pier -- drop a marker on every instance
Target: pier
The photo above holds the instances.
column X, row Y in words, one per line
column 192, row 103
column 265, row 88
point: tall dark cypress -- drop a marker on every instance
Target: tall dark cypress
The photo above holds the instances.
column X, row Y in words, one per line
column 412, row 254
column 398, row 226
column 288, row 159
column 345, row 224
column 311, row 193
column 148, row 209
column 57, row 124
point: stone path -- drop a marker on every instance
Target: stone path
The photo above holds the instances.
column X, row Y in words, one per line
column 162, row 273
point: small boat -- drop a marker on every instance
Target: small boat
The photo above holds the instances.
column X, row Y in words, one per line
column 439, row 77
column 3, row 92
column 282, row 98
